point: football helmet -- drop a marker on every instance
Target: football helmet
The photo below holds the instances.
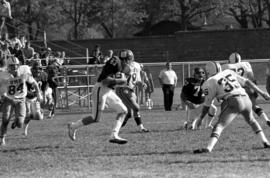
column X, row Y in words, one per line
column 234, row 58
column 126, row 55
column 199, row 73
column 13, row 64
column 212, row 68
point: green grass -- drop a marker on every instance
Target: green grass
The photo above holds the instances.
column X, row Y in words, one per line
column 164, row 152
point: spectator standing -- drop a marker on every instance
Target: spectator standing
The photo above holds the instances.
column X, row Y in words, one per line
column 5, row 39
column 5, row 12
column 35, row 58
column 59, row 59
column 46, row 55
column 23, row 41
column 96, row 56
column 17, row 52
column 108, row 56
column 168, row 81
column 149, row 89
column 5, row 49
column 142, row 86
column 15, row 40
column 28, row 51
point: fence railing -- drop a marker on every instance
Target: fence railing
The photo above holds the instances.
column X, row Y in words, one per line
column 76, row 81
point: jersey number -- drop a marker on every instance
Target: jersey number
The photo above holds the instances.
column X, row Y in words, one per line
column 240, row 71
column 197, row 88
column 12, row 89
column 132, row 78
column 228, row 82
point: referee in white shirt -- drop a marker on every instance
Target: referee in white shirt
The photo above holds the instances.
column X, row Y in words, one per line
column 168, row 81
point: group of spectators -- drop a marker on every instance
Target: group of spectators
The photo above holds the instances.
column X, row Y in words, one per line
column 22, row 49
column 97, row 57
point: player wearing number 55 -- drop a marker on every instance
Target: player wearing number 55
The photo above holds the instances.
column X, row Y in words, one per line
column 13, row 92
column 228, row 86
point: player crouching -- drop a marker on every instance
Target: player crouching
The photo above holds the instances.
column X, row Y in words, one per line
column 192, row 96
column 228, row 86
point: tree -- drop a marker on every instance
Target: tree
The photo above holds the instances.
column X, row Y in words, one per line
column 32, row 16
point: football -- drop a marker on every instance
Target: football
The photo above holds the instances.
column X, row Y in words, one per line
column 122, row 76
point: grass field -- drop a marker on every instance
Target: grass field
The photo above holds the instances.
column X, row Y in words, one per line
column 166, row 151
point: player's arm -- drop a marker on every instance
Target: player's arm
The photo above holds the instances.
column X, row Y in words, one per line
column 209, row 99
column 248, row 83
column 118, row 80
column 30, row 79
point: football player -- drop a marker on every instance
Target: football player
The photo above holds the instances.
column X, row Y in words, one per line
column 33, row 106
column 244, row 69
column 103, row 95
column 127, row 92
column 14, row 90
column 227, row 86
column 193, row 97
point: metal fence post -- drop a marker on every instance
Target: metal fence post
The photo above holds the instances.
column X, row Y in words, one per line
column 87, row 56
column 66, row 85
column 88, row 89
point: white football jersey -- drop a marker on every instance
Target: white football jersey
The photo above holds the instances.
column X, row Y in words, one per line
column 133, row 74
column 223, row 85
column 243, row 69
column 15, row 87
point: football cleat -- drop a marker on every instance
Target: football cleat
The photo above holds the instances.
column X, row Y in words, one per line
column 71, row 132
column 14, row 125
column 50, row 115
column 186, row 125
column 118, row 140
column 266, row 145
column 268, row 123
column 145, row 130
column 202, row 150
column 2, row 142
column 25, row 133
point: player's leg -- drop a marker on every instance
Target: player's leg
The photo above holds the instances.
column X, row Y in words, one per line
column 6, row 109
column 136, row 112
column 211, row 116
column 28, row 116
column 129, row 98
column 99, row 99
column 35, row 113
column 118, row 106
column 192, row 117
column 20, row 113
column 256, row 108
column 250, row 119
column 229, row 110
column 124, row 94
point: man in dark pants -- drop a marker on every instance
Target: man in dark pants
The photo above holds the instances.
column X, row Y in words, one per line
column 168, row 81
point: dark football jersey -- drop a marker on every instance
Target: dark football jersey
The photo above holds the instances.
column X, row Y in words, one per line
column 42, row 80
column 110, row 68
column 193, row 91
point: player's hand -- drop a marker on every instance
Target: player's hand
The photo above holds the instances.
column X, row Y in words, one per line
column 40, row 98
column 144, row 86
column 265, row 96
column 198, row 123
column 191, row 105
